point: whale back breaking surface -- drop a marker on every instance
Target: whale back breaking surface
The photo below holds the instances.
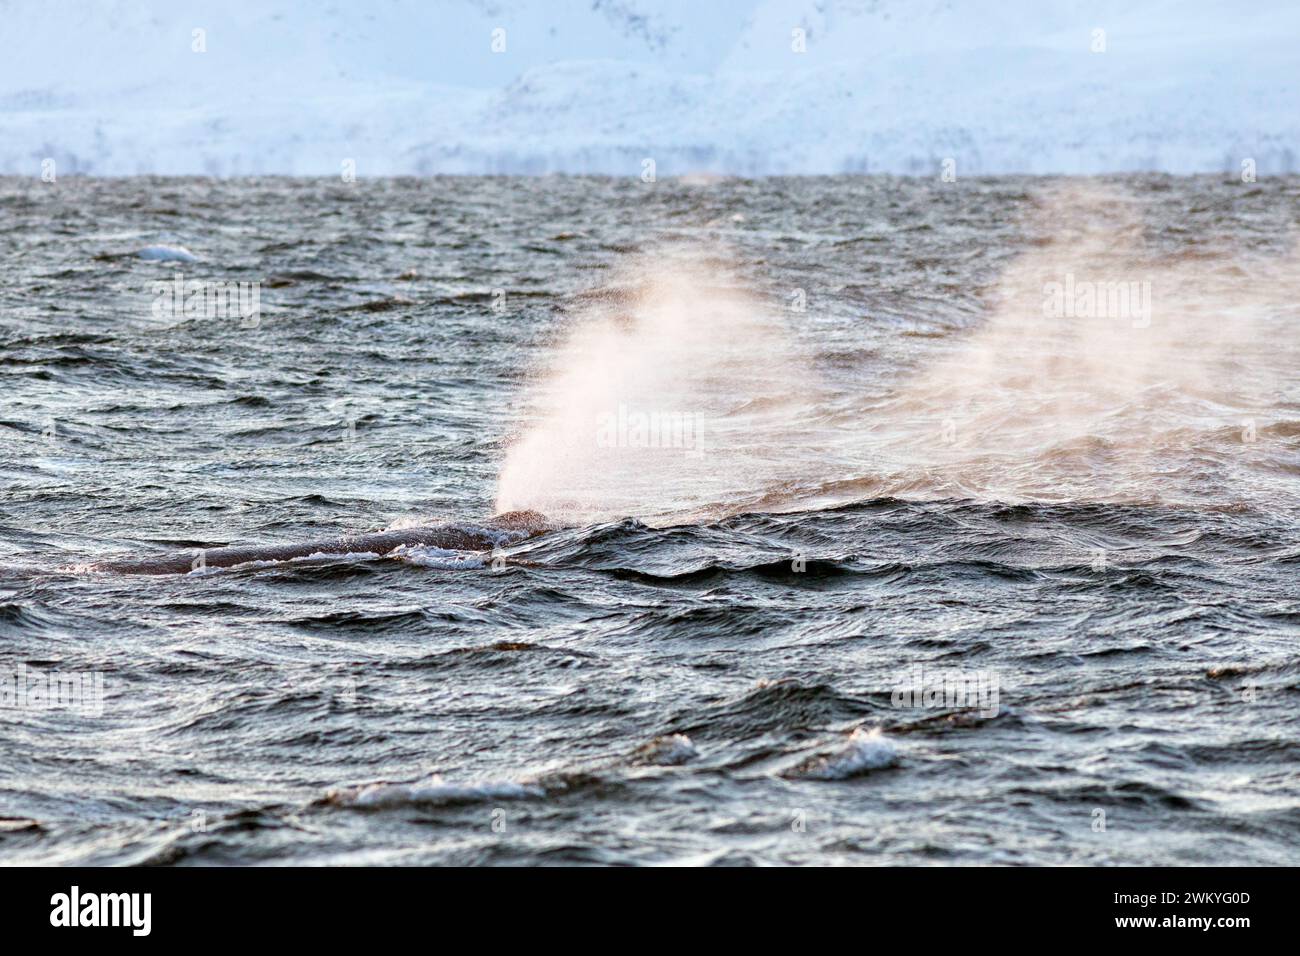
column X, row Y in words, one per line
column 502, row 529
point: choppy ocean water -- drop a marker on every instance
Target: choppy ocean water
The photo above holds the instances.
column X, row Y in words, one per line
column 898, row 521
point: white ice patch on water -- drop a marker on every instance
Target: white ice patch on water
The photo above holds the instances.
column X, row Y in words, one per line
column 167, row 254
column 433, row 789
column 865, row 750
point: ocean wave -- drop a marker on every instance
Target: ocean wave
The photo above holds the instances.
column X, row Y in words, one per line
column 865, row 751
column 167, row 254
column 785, row 704
column 431, row 790
column 666, row 751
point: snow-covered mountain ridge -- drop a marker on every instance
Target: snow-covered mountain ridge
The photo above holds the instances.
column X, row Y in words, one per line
column 735, row 86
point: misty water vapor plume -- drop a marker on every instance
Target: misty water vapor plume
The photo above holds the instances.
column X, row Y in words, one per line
column 1108, row 366
column 676, row 393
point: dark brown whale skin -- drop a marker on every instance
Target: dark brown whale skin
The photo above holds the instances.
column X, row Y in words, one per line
column 451, row 537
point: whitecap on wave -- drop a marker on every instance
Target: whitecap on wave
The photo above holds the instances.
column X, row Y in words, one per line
column 865, row 750
column 431, row 790
column 167, row 254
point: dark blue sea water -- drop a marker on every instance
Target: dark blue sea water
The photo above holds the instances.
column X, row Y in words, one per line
column 892, row 521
